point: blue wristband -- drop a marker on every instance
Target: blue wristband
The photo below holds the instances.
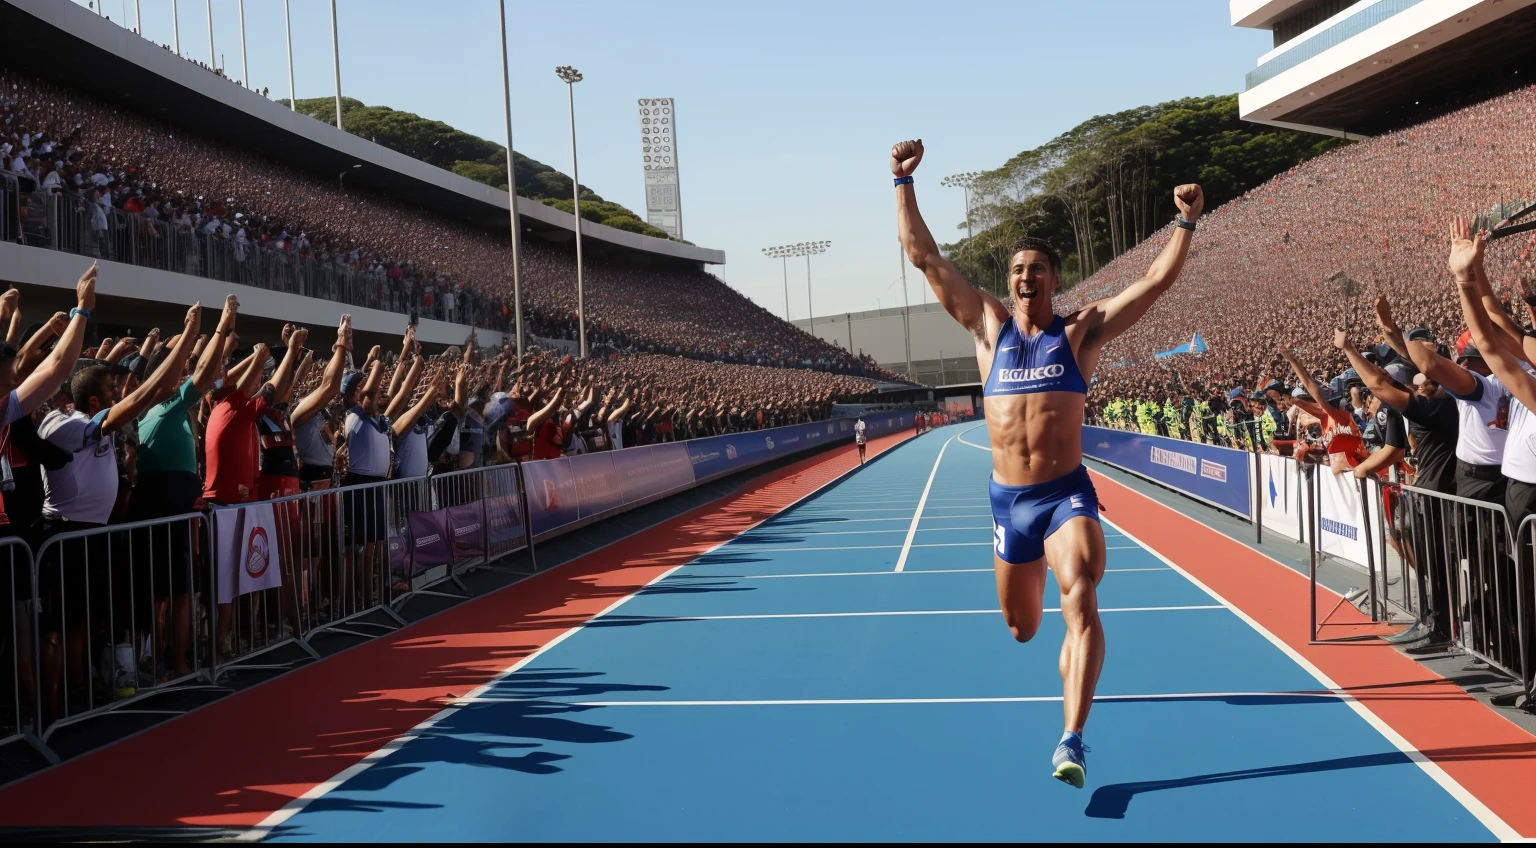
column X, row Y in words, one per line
column 1183, row 224
column 904, row 180
column 79, row 311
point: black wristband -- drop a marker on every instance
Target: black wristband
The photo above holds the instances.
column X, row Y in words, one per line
column 1183, row 224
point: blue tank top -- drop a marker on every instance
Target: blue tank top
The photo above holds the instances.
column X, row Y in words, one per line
column 1022, row 366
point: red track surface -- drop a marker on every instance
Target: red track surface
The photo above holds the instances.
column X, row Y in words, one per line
column 1491, row 757
column 236, row 761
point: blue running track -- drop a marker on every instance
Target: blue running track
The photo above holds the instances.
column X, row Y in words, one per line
column 792, row 686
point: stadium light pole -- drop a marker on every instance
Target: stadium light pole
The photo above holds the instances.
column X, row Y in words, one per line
column 906, row 317
column 809, row 249
column 336, row 63
column 138, row 18
column 781, row 254
column 245, row 68
column 175, row 28
column 966, row 181
column 517, row 236
column 213, row 58
column 293, row 97
column 571, row 76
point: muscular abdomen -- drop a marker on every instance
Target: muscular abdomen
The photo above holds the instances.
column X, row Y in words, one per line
column 1036, row 438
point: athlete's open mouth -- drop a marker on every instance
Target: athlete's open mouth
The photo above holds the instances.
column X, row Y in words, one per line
column 1027, row 291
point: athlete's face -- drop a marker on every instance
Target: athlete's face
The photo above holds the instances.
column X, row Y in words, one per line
column 1031, row 278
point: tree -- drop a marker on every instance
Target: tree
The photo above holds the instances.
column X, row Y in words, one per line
column 1107, row 184
column 471, row 157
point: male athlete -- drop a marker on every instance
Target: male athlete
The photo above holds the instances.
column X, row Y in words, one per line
column 858, row 437
column 1044, row 508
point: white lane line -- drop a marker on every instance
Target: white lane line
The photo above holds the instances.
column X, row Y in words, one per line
column 878, row 613
column 265, row 827
column 873, row 573
column 917, row 515
column 1489, row 819
column 1024, row 699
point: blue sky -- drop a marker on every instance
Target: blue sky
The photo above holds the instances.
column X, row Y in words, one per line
column 786, row 112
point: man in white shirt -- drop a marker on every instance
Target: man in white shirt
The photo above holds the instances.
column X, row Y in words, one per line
column 858, row 437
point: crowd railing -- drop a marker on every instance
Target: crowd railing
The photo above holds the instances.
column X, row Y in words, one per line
column 1457, row 566
column 108, row 619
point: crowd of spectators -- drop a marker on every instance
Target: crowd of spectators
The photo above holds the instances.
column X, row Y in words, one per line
column 1317, row 244
column 134, row 429
column 415, row 261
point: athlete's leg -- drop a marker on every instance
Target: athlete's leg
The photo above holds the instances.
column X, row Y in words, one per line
column 1076, row 553
column 1020, row 590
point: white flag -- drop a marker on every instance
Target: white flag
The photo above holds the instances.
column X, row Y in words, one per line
column 248, row 551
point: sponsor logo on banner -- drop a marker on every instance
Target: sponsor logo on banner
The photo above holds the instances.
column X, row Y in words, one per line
column 1172, row 459
column 246, row 558
column 551, row 494
column 829, row 428
column 730, row 452
column 768, row 440
column 1339, row 528
column 427, row 540
column 1213, row 470
column 257, row 553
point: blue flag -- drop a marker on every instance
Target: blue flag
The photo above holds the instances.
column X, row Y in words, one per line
column 1194, row 345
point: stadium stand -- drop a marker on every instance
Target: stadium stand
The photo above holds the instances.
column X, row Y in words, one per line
column 104, row 182
column 1277, row 258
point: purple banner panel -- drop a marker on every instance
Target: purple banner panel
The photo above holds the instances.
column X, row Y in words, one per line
column 597, row 485
column 648, row 471
column 467, row 523
column 505, row 520
column 431, row 540
column 552, row 501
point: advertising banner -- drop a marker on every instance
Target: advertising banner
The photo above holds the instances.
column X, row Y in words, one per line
column 645, row 472
column 467, row 523
column 1284, row 491
column 431, row 542
column 552, row 500
column 505, row 518
column 247, row 551
column 1219, row 476
column 597, row 486
column 1341, row 528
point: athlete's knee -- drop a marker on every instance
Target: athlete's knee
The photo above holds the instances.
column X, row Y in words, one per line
column 1022, row 628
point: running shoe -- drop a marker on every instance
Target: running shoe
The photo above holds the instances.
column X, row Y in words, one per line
column 1071, row 764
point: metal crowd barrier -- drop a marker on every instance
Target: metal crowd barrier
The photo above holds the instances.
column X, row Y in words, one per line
column 69, row 223
column 1471, row 576
column 20, row 711
column 116, row 618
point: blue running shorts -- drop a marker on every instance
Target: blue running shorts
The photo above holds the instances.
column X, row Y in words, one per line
column 1024, row 516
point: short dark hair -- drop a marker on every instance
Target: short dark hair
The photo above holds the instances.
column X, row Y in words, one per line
column 1040, row 244
column 87, row 383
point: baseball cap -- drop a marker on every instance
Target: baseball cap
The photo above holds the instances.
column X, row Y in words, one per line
column 1420, row 334
column 1468, row 351
column 1273, row 385
column 351, row 382
column 1298, row 392
column 1401, row 372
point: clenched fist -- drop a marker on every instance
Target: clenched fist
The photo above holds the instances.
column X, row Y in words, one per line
column 1190, row 200
column 905, row 157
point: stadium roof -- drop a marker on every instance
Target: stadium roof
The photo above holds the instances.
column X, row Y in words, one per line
column 1362, row 68
column 72, row 45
